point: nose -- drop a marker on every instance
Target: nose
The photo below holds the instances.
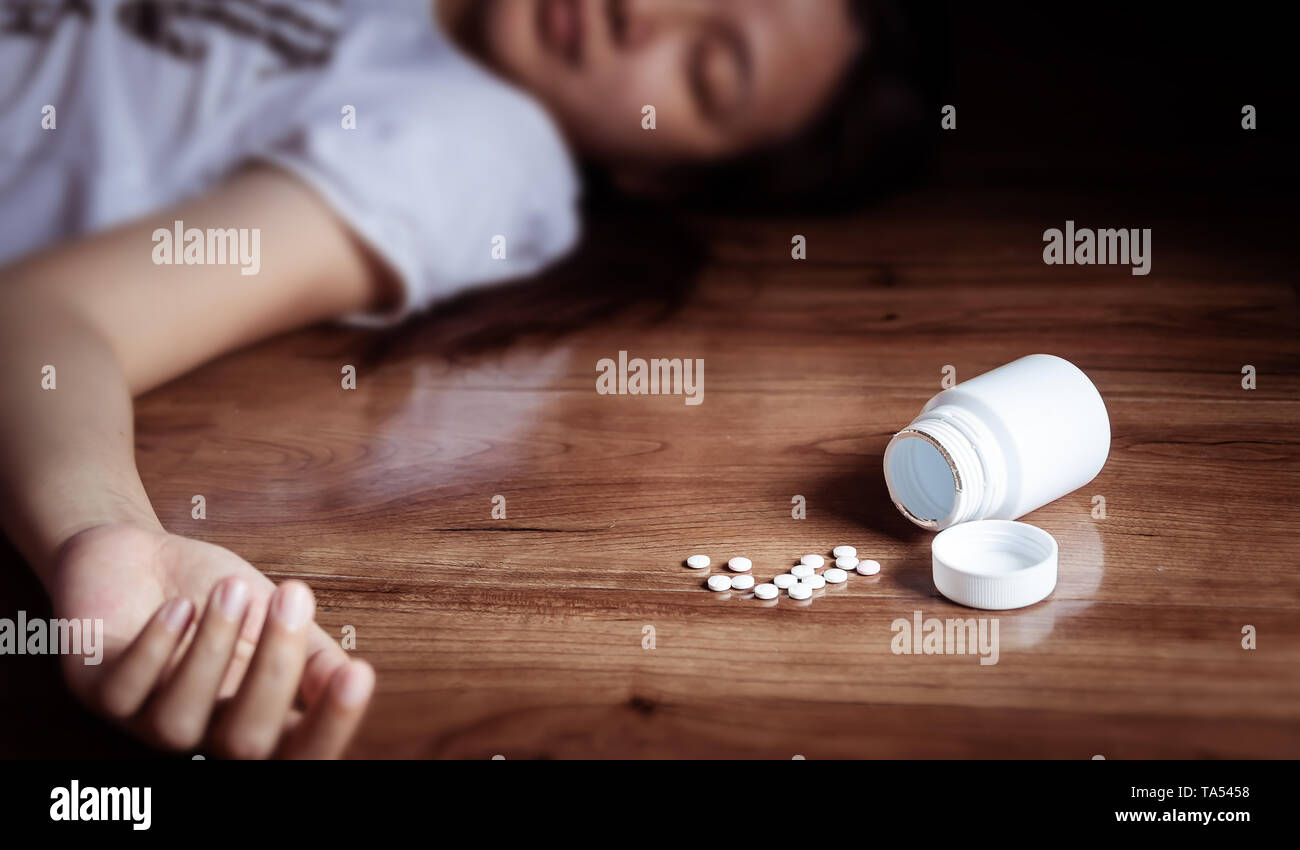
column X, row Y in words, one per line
column 636, row 23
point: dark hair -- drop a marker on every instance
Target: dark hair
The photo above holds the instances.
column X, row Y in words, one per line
column 875, row 132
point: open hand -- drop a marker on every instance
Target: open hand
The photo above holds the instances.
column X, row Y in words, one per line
column 203, row 651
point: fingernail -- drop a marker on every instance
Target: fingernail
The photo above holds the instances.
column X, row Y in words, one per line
column 354, row 686
column 292, row 606
column 176, row 614
column 232, row 598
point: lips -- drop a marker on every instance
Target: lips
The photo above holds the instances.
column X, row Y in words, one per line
column 560, row 28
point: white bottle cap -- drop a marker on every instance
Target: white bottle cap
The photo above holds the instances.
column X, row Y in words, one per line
column 994, row 564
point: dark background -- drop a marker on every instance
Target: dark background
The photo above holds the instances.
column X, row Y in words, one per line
column 1130, row 95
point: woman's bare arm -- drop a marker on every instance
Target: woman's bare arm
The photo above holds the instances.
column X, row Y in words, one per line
column 113, row 325
column 259, row 678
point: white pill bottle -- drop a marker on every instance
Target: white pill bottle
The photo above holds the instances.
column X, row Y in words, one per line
column 990, row 450
column 999, row 445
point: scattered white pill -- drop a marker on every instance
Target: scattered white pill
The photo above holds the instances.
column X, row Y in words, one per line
column 719, row 582
column 801, row 571
column 814, row 581
column 767, row 591
column 868, row 567
column 740, row 565
column 835, row 575
column 800, row 591
column 844, row 552
column 846, row 562
column 814, row 561
column 698, row 562
column 784, row 580
column 744, row 582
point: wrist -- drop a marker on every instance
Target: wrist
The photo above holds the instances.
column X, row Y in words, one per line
column 43, row 525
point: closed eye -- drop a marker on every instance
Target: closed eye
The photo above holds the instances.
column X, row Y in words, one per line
column 720, row 74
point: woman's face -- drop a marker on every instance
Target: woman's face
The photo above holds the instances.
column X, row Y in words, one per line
column 724, row 76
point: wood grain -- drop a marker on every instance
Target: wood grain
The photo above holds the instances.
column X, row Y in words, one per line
column 523, row 636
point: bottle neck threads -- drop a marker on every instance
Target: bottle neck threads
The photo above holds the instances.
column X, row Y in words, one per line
column 944, row 469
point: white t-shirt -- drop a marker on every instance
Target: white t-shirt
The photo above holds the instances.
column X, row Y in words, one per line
column 157, row 100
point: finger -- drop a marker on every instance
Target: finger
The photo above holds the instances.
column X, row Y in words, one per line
column 252, row 724
column 249, row 633
column 126, row 687
column 324, row 657
column 180, row 713
column 326, row 730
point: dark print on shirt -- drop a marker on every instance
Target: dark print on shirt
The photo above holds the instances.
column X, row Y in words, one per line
column 289, row 29
column 38, row 17
column 293, row 30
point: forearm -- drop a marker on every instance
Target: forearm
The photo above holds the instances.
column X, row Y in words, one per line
column 66, row 442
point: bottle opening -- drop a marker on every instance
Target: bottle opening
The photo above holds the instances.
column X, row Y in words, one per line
column 920, row 478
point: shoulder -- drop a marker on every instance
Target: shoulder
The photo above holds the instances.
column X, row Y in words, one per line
column 430, row 110
column 440, row 165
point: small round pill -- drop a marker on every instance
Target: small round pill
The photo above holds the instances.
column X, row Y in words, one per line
column 784, row 580
column 801, row 571
column 719, row 582
column 846, row 562
column 814, row 561
column 744, row 582
column 835, row 575
column 740, row 565
column 868, row 567
column 844, row 552
column 814, row 581
column 698, row 562
column 766, row 591
column 800, row 591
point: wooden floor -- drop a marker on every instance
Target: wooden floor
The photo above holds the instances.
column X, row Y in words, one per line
column 523, row 636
